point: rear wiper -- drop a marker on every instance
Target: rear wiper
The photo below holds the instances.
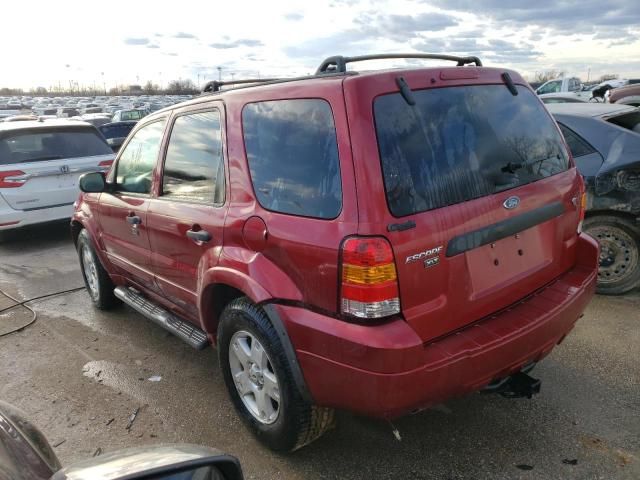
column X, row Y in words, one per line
column 512, row 167
column 509, row 83
column 405, row 91
column 39, row 159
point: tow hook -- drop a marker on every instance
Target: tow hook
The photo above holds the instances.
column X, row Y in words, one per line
column 518, row 385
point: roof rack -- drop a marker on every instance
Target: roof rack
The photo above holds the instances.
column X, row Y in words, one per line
column 338, row 63
column 215, row 85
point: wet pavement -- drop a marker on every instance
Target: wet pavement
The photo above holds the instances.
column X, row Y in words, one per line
column 80, row 374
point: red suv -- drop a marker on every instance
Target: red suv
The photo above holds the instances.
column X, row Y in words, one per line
column 377, row 241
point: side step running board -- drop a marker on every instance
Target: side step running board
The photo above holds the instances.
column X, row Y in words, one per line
column 180, row 328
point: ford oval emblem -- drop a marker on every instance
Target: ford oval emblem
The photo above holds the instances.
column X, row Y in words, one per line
column 511, row 203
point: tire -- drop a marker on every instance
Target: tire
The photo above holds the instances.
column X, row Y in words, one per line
column 296, row 422
column 619, row 241
column 96, row 279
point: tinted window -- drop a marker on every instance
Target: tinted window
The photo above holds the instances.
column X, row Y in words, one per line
column 461, row 143
column 131, row 115
column 116, row 130
column 293, row 156
column 193, row 168
column 136, row 164
column 51, row 145
column 577, row 144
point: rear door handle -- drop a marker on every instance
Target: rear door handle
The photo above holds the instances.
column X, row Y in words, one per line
column 134, row 220
column 199, row 235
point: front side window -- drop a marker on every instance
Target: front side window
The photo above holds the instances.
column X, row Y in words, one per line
column 550, row 87
column 460, row 143
column 293, row 156
column 194, row 167
column 134, row 171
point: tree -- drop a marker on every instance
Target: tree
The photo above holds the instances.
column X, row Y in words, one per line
column 609, row 76
column 547, row 75
column 150, row 88
column 178, row 87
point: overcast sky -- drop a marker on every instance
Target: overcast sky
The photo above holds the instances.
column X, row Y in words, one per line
column 47, row 42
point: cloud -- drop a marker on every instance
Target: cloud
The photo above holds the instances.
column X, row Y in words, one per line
column 136, row 41
column 294, row 17
column 243, row 42
column 171, row 54
column 562, row 16
column 153, row 45
column 369, row 28
column 184, row 35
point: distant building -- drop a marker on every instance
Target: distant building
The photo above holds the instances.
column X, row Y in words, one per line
column 134, row 90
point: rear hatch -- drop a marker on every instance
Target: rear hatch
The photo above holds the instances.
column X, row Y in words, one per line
column 40, row 167
column 476, row 195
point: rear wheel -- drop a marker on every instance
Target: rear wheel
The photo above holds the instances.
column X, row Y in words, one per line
column 259, row 380
column 619, row 241
column 96, row 278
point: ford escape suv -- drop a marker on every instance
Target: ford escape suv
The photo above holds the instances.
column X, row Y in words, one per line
column 377, row 242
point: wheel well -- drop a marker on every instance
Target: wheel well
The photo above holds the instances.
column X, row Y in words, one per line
column 214, row 300
column 76, row 228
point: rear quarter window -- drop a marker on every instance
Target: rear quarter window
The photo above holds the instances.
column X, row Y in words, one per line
column 293, row 157
column 52, row 144
column 460, row 143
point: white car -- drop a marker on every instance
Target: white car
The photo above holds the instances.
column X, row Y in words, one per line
column 40, row 164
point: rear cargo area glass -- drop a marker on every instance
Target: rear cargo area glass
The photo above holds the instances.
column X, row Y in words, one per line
column 51, row 144
column 460, row 143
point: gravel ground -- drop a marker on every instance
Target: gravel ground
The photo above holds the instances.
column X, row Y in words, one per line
column 80, row 374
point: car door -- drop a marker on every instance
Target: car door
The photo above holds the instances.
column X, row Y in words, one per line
column 185, row 219
column 123, row 209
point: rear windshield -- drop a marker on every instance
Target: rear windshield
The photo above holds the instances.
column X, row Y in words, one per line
column 116, row 131
column 460, row 143
column 51, row 144
column 629, row 120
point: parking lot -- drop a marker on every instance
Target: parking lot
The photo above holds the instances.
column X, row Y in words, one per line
column 80, row 374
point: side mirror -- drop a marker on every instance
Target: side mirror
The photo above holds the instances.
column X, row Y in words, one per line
column 161, row 462
column 93, row 182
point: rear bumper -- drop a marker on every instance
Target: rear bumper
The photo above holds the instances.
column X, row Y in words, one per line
column 386, row 370
column 11, row 219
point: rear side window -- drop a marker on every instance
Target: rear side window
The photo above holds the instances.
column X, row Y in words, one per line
column 135, row 166
column 460, row 143
column 53, row 144
column 629, row 120
column 116, row 130
column 293, row 156
column 578, row 146
column 193, row 167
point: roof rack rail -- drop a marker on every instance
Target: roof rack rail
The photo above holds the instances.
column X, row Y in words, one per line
column 215, row 85
column 338, row 63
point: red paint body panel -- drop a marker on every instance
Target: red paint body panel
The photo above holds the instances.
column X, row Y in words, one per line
column 463, row 323
column 391, row 373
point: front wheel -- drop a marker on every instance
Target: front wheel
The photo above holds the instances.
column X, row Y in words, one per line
column 619, row 241
column 258, row 377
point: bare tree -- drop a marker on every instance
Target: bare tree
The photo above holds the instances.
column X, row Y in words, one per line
column 547, row 75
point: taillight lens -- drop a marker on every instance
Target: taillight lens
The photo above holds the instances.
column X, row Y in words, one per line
column 582, row 206
column 11, row 179
column 106, row 164
column 369, row 279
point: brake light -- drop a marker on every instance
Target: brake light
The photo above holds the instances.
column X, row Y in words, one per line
column 369, row 279
column 582, row 207
column 106, row 164
column 11, row 179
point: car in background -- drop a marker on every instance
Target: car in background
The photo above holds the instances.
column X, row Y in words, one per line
column 129, row 115
column 40, row 164
column 568, row 87
column 561, row 98
column 605, row 142
column 627, row 95
column 95, row 119
column 115, row 133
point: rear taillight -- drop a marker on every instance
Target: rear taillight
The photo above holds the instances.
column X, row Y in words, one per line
column 106, row 164
column 582, row 207
column 369, row 281
column 12, row 179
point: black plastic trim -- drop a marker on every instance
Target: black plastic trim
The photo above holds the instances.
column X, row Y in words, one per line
column 506, row 228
